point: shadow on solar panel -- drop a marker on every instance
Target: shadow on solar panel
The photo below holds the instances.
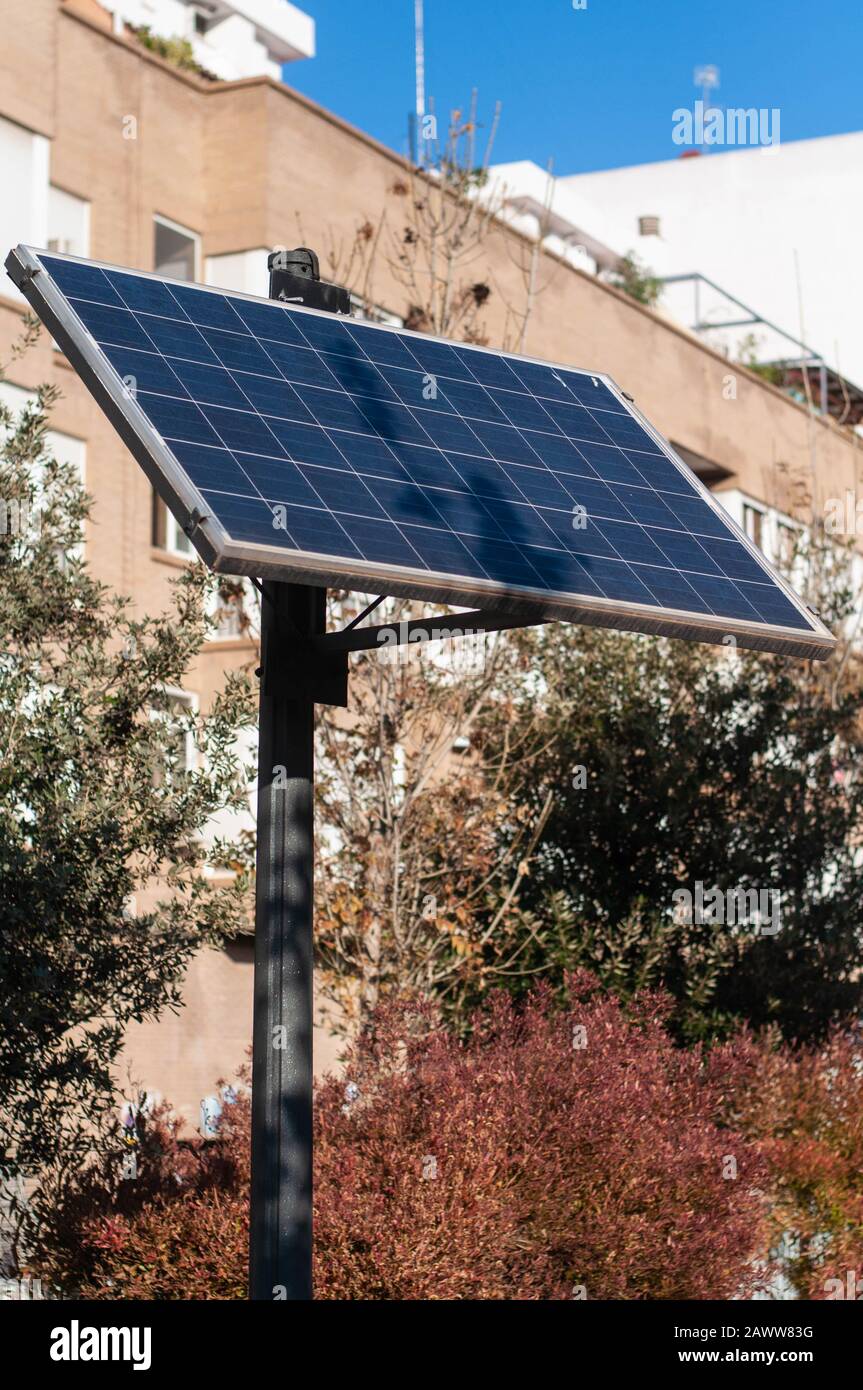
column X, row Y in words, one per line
column 303, row 446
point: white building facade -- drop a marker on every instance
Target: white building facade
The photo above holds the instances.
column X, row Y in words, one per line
column 777, row 227
column 240, row 38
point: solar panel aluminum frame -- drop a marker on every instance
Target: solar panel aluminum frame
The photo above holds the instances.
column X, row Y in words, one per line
column 225, row 555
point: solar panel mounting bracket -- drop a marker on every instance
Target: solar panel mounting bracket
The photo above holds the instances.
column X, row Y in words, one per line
column 316, row 668
column 296, row 668
column 196, row 518
column 382, row 636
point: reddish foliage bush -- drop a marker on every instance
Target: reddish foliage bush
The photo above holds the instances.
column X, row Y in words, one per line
column 548, row 1165
column 804, row 1109
column 178, row 1230
column 519, row 1165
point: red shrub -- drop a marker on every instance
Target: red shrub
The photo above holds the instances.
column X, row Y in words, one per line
column 549, row 1165
column 178, row 1230
column 515, row 1166
column 804, row 1109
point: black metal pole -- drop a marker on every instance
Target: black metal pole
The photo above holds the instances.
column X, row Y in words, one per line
column 280, row 1257
column 293, row 677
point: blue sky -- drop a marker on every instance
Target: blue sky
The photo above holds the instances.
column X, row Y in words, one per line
column 591, row 88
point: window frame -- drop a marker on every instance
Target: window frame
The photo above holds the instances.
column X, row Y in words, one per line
column 195, row 237
column 190, row 701
column 759, row 516
column 166, row 533
column 85, row 207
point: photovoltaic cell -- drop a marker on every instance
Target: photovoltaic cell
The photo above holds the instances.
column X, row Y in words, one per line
column 319, row 447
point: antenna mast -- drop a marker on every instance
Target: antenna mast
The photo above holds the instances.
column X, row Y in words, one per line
column 419, row 56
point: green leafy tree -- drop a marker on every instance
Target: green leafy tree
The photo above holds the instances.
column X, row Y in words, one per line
column 670, row 766
column 105, row 897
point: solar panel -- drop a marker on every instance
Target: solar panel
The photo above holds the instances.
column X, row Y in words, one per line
column 304, row 446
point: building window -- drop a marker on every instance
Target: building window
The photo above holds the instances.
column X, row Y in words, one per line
column 233, row 609
column 648, row 226
column 68, row 223
column 753, row 523
column 65, row 448
column 245, row 271
column 175, row 250
column 175, row 711
column 25, row 161
column 373, row 313
column 788, row 543
column 167, row 533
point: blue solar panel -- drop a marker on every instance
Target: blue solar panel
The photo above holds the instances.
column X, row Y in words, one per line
column 319, row 447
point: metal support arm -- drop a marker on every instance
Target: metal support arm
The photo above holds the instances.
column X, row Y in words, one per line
column 359, row 639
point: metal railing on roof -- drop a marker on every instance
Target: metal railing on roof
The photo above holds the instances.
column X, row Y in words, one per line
column 804, row 374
